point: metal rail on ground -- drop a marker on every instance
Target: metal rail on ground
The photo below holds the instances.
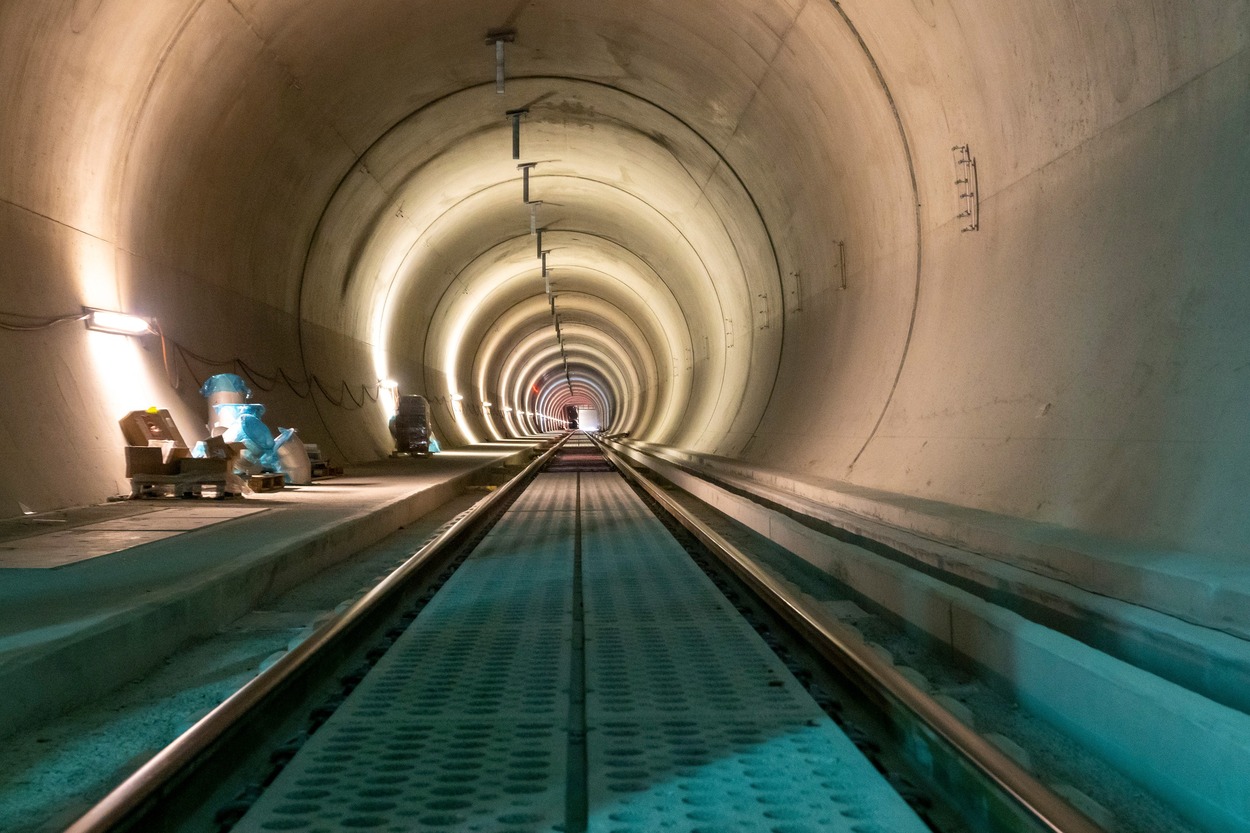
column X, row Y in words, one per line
column 128, row 806
column 1025, row 800
column 580, row 672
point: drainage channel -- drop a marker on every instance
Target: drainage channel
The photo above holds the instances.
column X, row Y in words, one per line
column 579, row 672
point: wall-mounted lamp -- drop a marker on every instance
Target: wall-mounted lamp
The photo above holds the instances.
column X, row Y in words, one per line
column 106, row 321
column 390, row 402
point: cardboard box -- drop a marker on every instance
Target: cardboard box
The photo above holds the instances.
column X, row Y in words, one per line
column 148, row 428
column 218, row 449
column 145, row 459
column 204, row 466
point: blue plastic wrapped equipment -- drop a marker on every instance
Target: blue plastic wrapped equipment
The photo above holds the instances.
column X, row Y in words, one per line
column 225, row 383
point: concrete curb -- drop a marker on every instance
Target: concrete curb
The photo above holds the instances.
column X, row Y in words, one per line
column 1202, row 593
column 106, row 651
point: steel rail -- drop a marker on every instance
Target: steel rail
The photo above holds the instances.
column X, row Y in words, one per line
column 124, row 807
column 1034, row 801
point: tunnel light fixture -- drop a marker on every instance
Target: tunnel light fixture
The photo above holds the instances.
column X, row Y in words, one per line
column 498, row 37
column 534, row 216
column 538, row 233
column 486, row 405
column 515, row 117
column 389, row 402
column 118, row 323
column 457, row 397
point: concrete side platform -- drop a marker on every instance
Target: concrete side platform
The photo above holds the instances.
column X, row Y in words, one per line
column 1209, row 660
column 1203, row 588
column 1188, row 749
column 71, row 632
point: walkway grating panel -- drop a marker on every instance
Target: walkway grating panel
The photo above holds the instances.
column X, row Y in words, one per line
column 548, row 493
column 405, row 775
column 737, row 772
column 691, row 724
column 684, row 670
column 463, row 724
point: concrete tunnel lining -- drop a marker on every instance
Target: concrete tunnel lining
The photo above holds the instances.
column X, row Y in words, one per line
column 314, row 338
column 1087, row 335
column 626, row 344
column 442, row 177
column 762, row 259
column 213, row 181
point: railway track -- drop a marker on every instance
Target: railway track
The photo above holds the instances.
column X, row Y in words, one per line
column 558, row 660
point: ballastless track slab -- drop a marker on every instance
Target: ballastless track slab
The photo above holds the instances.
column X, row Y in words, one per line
column 580, row 672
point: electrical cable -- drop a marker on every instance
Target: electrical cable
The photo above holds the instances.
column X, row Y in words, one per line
column 42, row 322
column 262, row 382
column 172, row 377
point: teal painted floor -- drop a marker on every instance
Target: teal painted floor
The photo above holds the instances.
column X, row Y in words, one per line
column 580, row 672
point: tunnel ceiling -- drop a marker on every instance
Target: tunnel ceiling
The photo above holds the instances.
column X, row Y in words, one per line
column 657, row 258
column 667, row 149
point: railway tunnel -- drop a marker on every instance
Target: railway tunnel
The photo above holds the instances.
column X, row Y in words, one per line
column 757, row 242
column 944, row 260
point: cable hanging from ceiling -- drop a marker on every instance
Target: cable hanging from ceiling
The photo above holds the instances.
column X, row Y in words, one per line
column 338, row 395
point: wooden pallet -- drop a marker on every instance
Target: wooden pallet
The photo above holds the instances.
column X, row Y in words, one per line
column 322, row 469
column 266, row 482
column 178, row 485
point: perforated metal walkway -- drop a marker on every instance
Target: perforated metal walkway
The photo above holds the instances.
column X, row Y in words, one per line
column 580, row 672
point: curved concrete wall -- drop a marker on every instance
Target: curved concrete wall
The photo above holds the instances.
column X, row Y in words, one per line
column 752, row 219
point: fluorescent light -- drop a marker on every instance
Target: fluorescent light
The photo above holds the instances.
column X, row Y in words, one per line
column 119, row 323
column 457, row 397
column 486, row 405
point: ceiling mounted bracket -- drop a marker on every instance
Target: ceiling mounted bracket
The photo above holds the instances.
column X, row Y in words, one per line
column 525, row 168
column 499, row 37
column 515, row 117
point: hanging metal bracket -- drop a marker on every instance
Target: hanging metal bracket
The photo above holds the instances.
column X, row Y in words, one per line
column 515, row 117
column 498, row 37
